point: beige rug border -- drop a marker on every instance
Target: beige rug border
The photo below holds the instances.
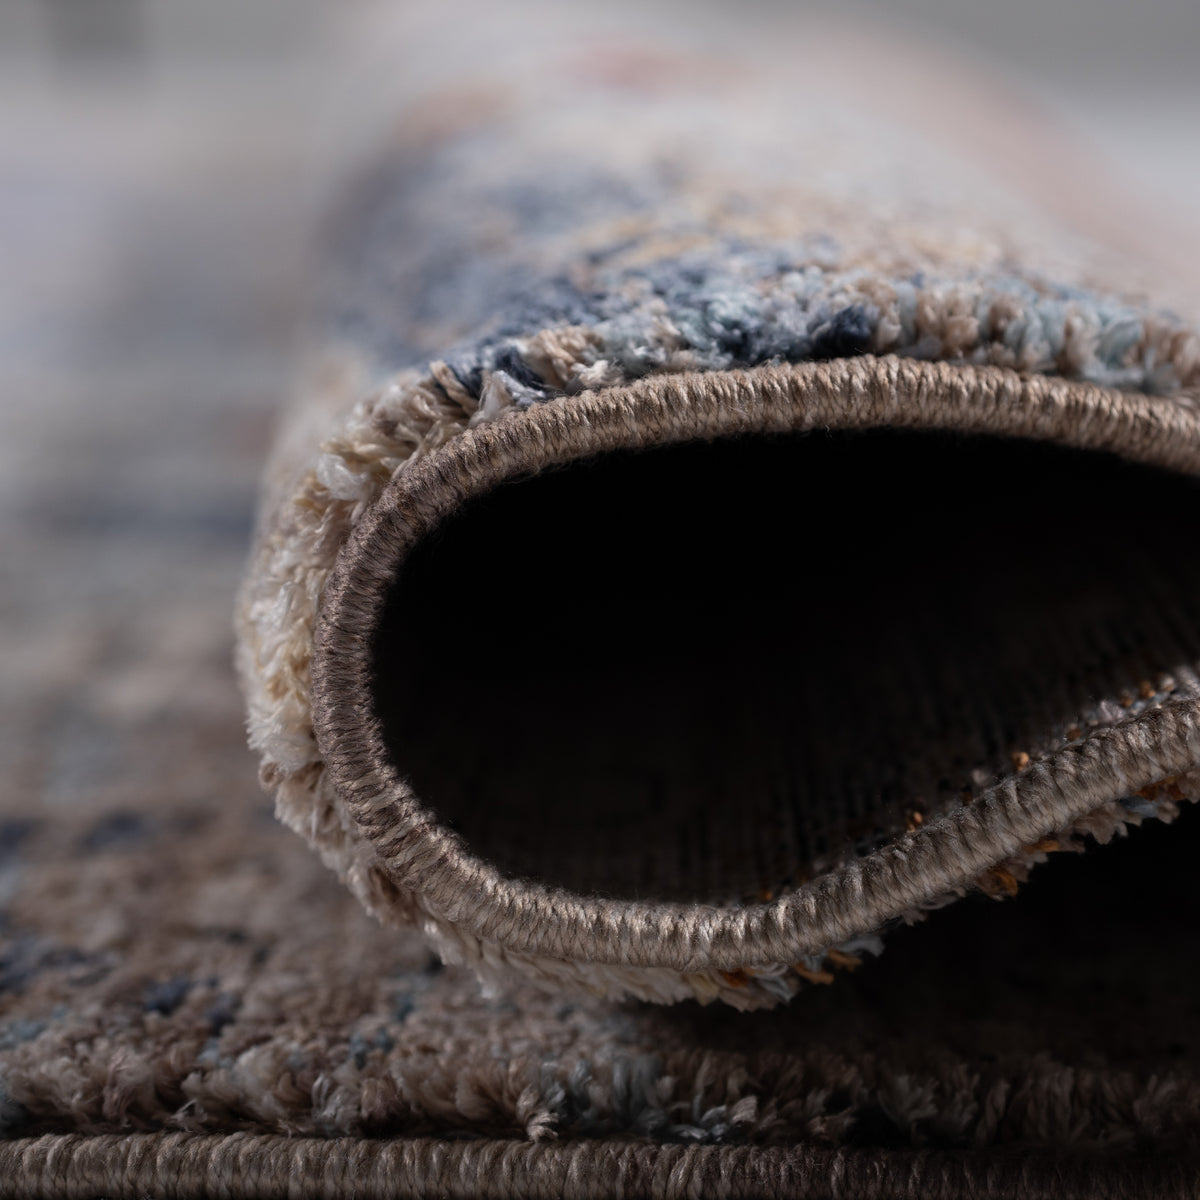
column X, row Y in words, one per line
column 463, row 891
column 181, row 1166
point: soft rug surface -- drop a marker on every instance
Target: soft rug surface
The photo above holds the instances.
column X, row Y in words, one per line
column 717, row 528
column 688, row 558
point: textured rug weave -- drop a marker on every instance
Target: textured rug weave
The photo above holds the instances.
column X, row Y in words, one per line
column 699, row 717
column 715, row 530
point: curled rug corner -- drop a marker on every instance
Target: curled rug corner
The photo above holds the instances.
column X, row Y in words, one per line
column 718, row 525
column 681, row 567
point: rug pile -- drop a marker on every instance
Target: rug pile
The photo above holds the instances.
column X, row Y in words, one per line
column 719, row 621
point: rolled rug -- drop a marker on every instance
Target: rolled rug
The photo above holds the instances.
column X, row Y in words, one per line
column 734, row 506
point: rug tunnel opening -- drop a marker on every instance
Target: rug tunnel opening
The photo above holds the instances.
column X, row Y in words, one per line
column 713, row 671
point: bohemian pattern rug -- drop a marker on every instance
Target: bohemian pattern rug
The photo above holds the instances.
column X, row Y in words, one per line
column 720, row 643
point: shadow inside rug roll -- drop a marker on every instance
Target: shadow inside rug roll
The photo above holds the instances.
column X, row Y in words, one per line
column 682, row 566
column 708, row 673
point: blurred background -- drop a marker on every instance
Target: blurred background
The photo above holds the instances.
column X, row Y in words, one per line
column 160, row 163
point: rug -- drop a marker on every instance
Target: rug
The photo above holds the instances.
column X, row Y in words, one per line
column 715, row 529
column 652, row 262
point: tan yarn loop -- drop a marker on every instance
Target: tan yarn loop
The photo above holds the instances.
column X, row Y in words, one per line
column 919, row 868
